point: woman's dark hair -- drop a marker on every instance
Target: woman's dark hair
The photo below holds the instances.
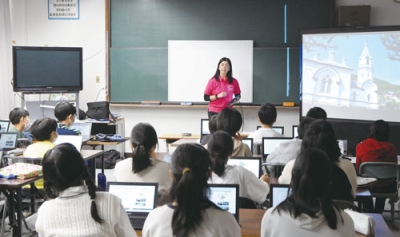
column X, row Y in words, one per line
column 64, row 167
column 310, row 186
column 220, row 147
column 229, row 120
column 321, row 135
column 379, row 130
column 143, row 139
column 190, row 167
column 229, row 74
column 63, row 110
column 41, row 129
column 303, row 125
column 16, row 114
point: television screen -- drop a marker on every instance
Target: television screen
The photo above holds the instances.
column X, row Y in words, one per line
column 353, row 74
column 47, row 69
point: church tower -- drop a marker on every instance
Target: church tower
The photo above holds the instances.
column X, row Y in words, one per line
column 364, row 66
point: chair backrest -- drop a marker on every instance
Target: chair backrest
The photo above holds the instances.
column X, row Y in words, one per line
column 380, row 170
column 9, row 160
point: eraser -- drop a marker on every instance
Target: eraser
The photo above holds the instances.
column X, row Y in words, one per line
column 186, row 103
column 186, row 134
column 288, row 104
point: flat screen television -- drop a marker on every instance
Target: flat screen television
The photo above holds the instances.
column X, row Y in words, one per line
column 47, row 69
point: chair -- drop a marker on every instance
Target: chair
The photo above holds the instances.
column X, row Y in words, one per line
column 273, row 170
column 383, row 171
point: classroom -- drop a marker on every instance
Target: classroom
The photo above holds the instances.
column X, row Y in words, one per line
column 29, row 25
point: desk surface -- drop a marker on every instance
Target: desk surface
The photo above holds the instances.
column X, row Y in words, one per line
column 90, row 154
column 16, row 183
column 175, row 137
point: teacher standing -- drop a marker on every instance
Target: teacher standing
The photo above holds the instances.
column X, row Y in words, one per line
column 222, row 88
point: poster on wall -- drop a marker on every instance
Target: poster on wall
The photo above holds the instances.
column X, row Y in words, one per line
column 63, row 9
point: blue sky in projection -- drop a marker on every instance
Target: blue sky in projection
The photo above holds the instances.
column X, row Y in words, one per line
column 350, row 46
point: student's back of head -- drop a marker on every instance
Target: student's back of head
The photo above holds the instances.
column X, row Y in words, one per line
column 63, row 110
column 17, row 114
column 42, row 129
column 317, row 113
column 267, row 114
column 144, row 140
column 379, row 130
column 229, row 120
column 321, row 135
column 190, row 170
column 220, row 147
column 64, row 167
column 303, row 125
column 212, row 124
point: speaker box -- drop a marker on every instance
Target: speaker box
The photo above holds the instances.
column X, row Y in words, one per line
column 353, row 16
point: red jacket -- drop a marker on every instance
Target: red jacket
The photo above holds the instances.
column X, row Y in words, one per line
column 371, row 150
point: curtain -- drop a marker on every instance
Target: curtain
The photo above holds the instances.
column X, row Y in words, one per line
column 6, row 90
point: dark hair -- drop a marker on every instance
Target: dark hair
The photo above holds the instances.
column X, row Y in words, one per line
column 212, row 124
column 41, row 129
column 229, row 74
column 63, row 110
column 16, row 114
column 220, row 147
column 64, row 167
column 267, row 114
column 311, row 176
column 303, row 125
column 379, row 130
column 190, row 167
column 143, row 138
column 229, row 120
column 320, row 134
column 317, row 113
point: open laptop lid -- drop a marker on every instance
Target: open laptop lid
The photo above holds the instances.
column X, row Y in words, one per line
column 138, row 199
column 252, row 164
column 269, row 144
column 72, row 139
column 226, row 196
column 279, row 129
column 278, row 193
column 249, row 142
column 84, row 128
column 204, row 130
column 4, row 125
column 8, row 141
column 294, row 131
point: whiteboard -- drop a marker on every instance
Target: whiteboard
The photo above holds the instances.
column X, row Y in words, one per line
column 192, row 63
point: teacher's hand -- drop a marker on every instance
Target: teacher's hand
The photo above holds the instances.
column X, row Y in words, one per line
column 222, row 94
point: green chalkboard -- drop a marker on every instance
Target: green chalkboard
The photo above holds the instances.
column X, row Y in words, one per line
column 140, row 31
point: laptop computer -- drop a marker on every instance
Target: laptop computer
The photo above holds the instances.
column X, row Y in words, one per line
column 84, row 128
column 138, row 199
column 249, row 142
column 269, row 144
column 8, row 142
column 204, row 130
column 226, row 197
column 278, row 193
column 4, row 125
column 294, row 131
column 279, row 129
column 72, row 139
column 252, row 164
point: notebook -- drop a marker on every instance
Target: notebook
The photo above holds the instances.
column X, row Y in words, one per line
column 278, row 193
column 249, row 142
column 204, row 128
column 252, row 164
column 294, row 131
column 138, row 199
column 72, row 139
column 226, row 196
column 269, row 144
column 84, row 128
column 4, row 125
column 279, row 129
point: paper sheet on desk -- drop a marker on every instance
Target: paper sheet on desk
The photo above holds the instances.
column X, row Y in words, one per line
column 363, row 223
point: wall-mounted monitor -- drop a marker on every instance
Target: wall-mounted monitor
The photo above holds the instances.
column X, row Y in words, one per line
column 47, row 69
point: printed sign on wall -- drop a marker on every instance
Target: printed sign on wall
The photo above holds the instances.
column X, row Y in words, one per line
column 63, row 9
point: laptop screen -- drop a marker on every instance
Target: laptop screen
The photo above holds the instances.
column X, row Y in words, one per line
column 252, row 164
column 269, row 144
column 8, row 141
column 72, row 139
column 4, row 125
column 204, row 127
column 137, row 198
column 226, row 196
column 249, row 142
column 278, row 193
column 84, row 128
column 294, row 131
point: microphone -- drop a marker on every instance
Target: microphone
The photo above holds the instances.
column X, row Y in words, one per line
column 234, row 100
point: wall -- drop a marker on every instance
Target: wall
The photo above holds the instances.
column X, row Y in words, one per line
column 30, row 26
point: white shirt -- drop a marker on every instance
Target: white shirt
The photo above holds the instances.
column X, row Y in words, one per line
column 250, row 186
column 215, row 223
column 285, row 152
column 263, row 132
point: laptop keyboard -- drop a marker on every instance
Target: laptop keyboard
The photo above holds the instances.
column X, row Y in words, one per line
column 137, row 223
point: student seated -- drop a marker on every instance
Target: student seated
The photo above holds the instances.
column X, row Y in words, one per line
column 309, row 210
column 230, row 121
column 143, row 166
column 220, row 147
column 212, row 127
column 320, row 135
column 376, row 148
column 76, row 209
column 44, row 132
column 267, row 117
column 19, row 118
column 191, row 213
column 65, row 113
column 316, row 113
